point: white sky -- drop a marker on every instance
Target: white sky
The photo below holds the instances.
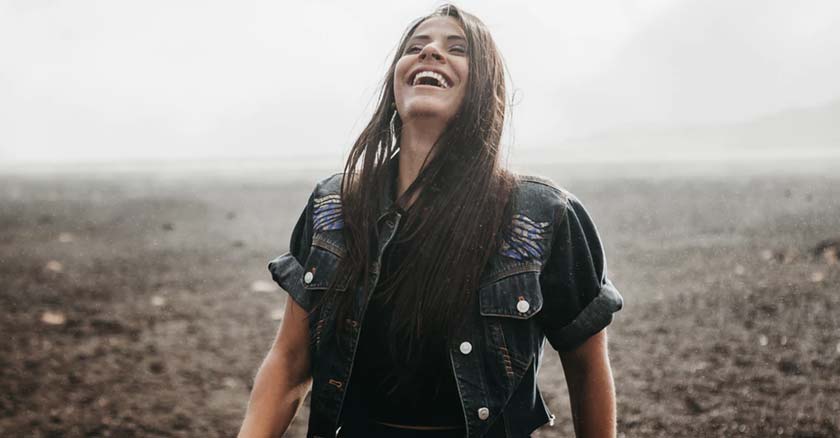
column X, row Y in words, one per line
column 103, row 80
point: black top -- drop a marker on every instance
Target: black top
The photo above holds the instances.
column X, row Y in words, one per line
column 429, row 398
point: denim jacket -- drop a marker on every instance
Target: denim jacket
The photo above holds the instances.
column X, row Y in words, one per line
column 547, row 281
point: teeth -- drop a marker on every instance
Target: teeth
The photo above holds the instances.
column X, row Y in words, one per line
column 430, row 74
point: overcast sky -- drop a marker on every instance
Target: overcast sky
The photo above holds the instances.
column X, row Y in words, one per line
column 103, row 80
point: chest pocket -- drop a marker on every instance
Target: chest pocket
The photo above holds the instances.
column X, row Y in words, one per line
column 507, row 306
column 515, row 295
column 321, row 266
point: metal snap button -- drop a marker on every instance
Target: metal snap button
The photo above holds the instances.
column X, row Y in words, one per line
column 307, row 278
column 465, row 347
column 522, row 306
column 483, row 413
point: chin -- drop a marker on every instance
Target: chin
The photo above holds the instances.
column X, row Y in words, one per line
column 428, row 111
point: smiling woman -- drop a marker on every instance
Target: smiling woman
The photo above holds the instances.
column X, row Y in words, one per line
column 425, row 278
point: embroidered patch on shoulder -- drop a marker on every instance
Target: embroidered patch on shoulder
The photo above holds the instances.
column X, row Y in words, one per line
column 523, row 238
column 328, row 214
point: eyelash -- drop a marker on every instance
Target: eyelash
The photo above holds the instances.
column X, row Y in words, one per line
column 460, row 49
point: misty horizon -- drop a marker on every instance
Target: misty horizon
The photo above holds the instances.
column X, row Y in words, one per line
column 107, row 82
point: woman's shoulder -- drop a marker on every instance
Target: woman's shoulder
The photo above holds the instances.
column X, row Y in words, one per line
column 541, row 194
column 329, row 185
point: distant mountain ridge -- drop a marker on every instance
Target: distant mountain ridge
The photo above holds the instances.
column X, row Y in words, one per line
column 812, row 130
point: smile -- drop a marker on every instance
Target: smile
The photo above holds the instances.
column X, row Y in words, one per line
column 426, row 77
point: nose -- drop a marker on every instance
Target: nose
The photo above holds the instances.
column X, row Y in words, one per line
column 429, row 51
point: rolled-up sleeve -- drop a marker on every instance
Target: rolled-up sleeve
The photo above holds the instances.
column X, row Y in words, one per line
column 579, row 299
column 287, row 269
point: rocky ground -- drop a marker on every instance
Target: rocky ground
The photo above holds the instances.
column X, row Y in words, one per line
column 135, row 305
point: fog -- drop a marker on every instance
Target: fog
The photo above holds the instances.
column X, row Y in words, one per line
column 104, row 81
column 154, row 156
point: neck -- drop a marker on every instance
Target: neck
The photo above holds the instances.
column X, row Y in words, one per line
column 416, row 140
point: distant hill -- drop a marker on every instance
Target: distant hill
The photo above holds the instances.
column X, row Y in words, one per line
column 810, row 132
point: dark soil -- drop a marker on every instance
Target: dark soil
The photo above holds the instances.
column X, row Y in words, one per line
column 129, row 305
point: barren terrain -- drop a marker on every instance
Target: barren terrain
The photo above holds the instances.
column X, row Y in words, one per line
column 138, row 305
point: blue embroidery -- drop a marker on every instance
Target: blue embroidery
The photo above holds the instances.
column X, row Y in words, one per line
column 328, row 213
column 522, row 239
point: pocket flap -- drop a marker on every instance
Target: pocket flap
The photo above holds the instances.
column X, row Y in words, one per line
column 514, row 296
column 321, row 267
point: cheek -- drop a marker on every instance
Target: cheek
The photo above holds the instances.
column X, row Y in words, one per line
column 464, row 73
column 400, row 71
column 399, row 85
column 465, row 82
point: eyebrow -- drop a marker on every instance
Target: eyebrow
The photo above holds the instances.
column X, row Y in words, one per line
column 427, row 38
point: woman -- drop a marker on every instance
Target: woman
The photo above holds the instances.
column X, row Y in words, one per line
column 432, row 276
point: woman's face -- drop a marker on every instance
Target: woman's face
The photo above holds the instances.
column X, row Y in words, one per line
column 430, row 78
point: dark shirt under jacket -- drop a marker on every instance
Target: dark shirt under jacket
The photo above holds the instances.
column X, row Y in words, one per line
column 428, row 399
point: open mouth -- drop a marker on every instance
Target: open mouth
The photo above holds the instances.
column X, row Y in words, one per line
column 430, row 78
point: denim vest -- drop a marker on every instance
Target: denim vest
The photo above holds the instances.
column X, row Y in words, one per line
column 526, row 295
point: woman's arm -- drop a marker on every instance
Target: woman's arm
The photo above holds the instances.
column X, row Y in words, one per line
column 591, row 389
column 283, row 379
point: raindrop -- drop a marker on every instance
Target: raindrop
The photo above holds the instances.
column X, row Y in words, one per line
column 817, row 277
column 766, row 255
column 762, row 340
column 66, row 237
column 158, row 301
column 55, row 266
column 740, row 270
column 783, row 341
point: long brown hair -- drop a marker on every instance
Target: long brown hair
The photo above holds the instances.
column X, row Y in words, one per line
column 454, row 224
